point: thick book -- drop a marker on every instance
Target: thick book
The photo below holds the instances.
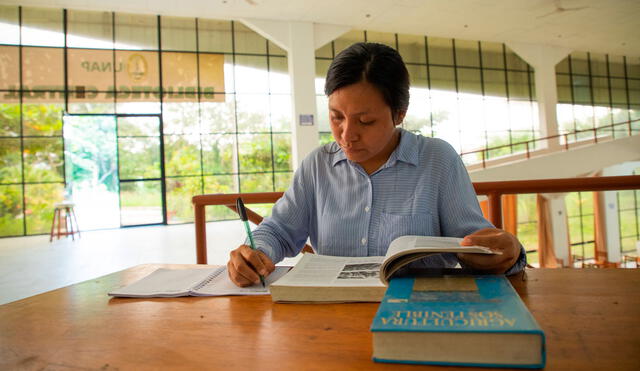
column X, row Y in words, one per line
column 456, row 320
column 169, row 283
column 321, row 278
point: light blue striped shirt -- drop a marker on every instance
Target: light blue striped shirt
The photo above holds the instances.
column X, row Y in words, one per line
column 422, row 189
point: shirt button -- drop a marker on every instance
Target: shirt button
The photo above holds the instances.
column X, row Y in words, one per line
column 364, row 241
column 367, row 209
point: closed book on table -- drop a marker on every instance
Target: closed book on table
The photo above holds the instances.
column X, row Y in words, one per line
column 458, row 320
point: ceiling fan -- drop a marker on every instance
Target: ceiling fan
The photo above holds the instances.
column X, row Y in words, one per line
column 559, row 9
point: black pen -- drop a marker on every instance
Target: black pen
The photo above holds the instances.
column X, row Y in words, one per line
column 243, row 216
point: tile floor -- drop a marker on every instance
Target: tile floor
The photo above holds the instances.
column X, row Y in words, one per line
column 32, row 265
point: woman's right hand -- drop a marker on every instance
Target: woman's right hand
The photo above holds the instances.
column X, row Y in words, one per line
column 246, row 265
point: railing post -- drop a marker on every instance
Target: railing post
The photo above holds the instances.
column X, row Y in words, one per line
column 201, row 234
column 495, row 208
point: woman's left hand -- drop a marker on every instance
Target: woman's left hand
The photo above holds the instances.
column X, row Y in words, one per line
column 497, row 240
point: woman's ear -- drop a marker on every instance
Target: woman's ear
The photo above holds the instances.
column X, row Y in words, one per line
column 399, row 118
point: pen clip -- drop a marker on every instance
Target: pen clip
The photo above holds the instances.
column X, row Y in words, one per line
column 241, row 210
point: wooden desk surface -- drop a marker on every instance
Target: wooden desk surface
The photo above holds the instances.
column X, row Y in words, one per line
column 591, row 318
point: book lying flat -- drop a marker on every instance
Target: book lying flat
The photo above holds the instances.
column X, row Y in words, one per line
column 457, row 320
column 169, row 283
column 320, row 278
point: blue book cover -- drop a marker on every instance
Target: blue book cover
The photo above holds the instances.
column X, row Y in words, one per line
column 457, row 320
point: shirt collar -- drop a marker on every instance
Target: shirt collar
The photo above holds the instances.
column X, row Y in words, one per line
column 405, row 152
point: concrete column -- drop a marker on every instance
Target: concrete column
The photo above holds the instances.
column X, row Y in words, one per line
column 300, row 40
column 609, row 203
column 559, row 227
column 543, row 58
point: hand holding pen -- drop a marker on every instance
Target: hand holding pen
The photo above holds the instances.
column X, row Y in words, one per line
column 248, row 265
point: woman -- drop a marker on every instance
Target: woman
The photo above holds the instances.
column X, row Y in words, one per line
column 376, row 182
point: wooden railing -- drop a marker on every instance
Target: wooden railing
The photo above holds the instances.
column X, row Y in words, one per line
column 493, row 191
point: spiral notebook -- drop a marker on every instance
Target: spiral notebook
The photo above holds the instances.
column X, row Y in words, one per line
column 170, row 283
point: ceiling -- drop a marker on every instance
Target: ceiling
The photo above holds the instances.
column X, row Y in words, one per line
column 600, row 26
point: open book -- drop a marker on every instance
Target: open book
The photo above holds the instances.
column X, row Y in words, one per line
column 321, row 278
column 169, row 283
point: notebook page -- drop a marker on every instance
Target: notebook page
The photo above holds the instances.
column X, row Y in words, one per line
column 221, row 285
column 166, row 283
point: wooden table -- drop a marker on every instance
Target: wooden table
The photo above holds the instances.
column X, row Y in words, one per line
column 591, row 318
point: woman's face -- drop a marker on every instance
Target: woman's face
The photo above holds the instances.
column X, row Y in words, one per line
column 362, row 125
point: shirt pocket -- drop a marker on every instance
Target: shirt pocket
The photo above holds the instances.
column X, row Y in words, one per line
column 393, row 226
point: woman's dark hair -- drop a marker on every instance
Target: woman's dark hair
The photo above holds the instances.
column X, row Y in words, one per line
column 378, row 64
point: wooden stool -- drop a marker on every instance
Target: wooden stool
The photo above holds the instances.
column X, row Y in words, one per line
column 70, row 222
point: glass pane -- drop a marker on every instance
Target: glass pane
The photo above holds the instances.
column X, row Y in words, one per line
column 347, row 40
column 467, row 53
column 248, row 41
column 140, row 202
column 601, row 91
column 514, row 62
column 42, row 27
column 412, row 49
column 178, row 33
column 9, row 115
column 42, row 118
column 440, row 51
column 442, row 78
column 138, row 126
column 218, row 117
column 252, row 113
column 182, row 155
column 39, row 201
column 281, row 113
column 256, row 183
column 137, row 76
column 279, row 82
column 219, row 154
column 212, row 75
column 494, row 83
column 633, row 67
column 282, row 181
column 634, row 91
column 386, row 38
column 581, row 89
column 599, row 65
column 179, row 76
column 275, row 50
column 11, row 216
column 10, row 71
column 139, row 158
column 9, row 25
column 181, row 118
column 282, row 152
column 579, row 63
column 563, row 66
column 251, row 74
column 10, row 163
column 322, row 107
column 136, row 31
column 469, row 81
column 492, row 55
column 518, row 85
column 563, row 83
column 618, row 92
column 325, row 51
column 214, row 36
column 83, row 101
column 418, row 76
column 322, row 66
column 89, row 29
column 179, row 194
column 255, row 153
column 221, row 184
column 42, row 69
column 91, row 70
column 417, row 118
